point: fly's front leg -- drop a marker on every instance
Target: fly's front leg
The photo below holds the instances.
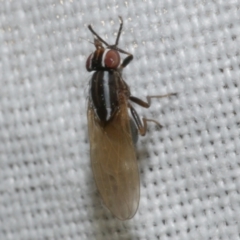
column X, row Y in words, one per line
column 126, row 61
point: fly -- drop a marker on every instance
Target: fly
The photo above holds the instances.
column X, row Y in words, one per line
column 112, row 132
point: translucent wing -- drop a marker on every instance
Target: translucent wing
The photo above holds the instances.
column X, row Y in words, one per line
column 114, row 163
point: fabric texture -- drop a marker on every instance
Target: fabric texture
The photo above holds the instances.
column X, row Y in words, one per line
column 189, row 169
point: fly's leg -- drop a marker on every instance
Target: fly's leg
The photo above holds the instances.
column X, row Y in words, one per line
column 148, row 103
column 129, row 58
column 142, row 125
column 126, row 61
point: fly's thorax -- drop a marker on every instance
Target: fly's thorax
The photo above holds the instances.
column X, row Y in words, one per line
column 106, row 92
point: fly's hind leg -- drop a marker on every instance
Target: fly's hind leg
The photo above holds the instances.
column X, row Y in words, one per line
column 142, row 125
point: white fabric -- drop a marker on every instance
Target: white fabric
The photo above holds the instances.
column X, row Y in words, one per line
column 190, row 176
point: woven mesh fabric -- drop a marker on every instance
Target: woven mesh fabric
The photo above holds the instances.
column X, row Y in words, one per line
column 190, row 176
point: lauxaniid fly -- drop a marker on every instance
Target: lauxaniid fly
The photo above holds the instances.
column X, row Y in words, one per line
column 112, row 132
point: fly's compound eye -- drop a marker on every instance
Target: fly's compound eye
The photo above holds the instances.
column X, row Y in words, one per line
column 111, row 59
column 89, row 63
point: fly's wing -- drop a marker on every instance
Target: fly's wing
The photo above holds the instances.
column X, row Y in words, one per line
column 114, row 163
